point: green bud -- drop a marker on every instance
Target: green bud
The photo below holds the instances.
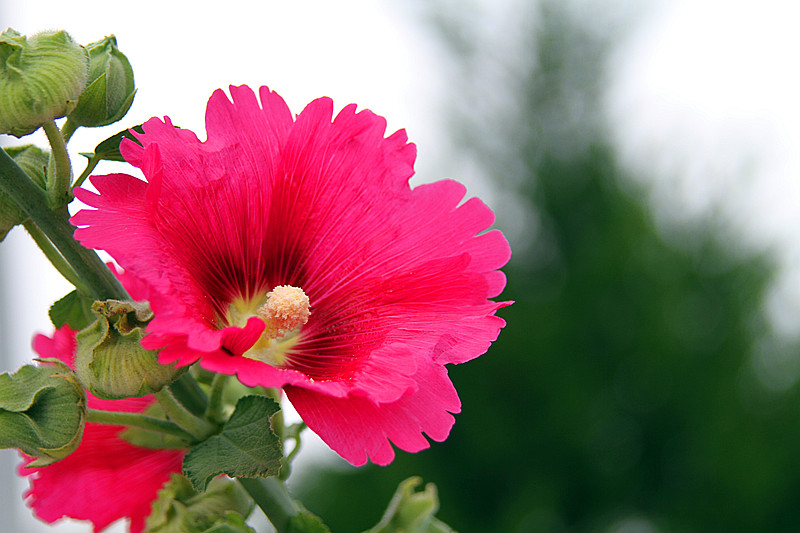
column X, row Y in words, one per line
column 180, row 509
column 412, row 512
column 42, row 411
column 111, row 362
column 34, row 162
column 110, row 89
column 41, row 78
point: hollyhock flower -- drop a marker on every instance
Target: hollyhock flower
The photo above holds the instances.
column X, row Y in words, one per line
column 292, row 252
column 106, row 478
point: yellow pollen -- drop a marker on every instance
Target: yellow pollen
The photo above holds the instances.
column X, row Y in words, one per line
column 286, row 309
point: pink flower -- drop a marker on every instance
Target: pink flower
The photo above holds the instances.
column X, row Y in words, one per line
column 397, row 280
column 106, row 478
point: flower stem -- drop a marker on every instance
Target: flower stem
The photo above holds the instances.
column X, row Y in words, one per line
column 214, row 410
column 32, row 200
column 56, row 259
column 59, row 170
column 187, row 391
column 271, row 496
column 198, row 427
column 118, row 418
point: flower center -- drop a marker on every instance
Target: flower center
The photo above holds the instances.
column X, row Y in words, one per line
column 284, row 311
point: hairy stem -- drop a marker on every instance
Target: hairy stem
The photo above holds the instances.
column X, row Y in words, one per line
column 271, row 496
column 59, row 170
column 214, row 410
column 32, row 200
column 149, row 423
column 198, row 427
column 55, row 257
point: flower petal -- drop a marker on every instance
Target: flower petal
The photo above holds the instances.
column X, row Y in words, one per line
column 359, row 429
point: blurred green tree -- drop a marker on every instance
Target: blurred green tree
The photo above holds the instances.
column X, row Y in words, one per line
column 622, row 392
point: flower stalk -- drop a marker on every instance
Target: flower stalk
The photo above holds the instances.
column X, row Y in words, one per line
column 59, row 171
column 122, row 418
column 55, row 258
column 215, row 404
column 198, row 427
column 271, row 496
column 32, row 200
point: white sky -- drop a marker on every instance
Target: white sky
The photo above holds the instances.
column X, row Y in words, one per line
column 703, row 91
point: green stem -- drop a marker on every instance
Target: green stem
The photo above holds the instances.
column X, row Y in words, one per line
column 68, row 129
column 199, row 428
column 32, row 200
column 271, row 496
column 119, row 418
column 59, row 170
column 215, row 404
column 187, row 391
column 55, row 257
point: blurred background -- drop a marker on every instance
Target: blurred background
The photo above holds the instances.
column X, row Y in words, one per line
column 642, row 158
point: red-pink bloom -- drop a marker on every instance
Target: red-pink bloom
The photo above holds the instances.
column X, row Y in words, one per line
column 398, row 279
column 106, row 478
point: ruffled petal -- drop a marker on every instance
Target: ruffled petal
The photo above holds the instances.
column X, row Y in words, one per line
column 359, row 429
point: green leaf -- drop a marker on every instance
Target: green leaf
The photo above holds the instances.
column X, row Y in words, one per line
column 73, row 310
column 246, row 447
column 412, row 512
column 108, row 149
column 306, row 522
column 42, row 411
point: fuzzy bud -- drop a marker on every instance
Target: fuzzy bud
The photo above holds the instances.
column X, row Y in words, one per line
column 110, row 89
column 41, row 79
column 111, row 362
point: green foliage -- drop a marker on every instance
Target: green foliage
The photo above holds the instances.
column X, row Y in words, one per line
column 42, row 411
column 246, row 447
column 622, row 387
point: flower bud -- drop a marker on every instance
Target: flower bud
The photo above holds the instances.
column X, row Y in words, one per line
column 42, row 411
column 180, row 509
column 41, row 78
column 411, row 511
column 34, row 162
column 110, row 89
column 111, row 362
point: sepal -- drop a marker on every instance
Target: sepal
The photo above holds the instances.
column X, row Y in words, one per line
column 111, row 362
column 42, row 411
column 181, row 509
